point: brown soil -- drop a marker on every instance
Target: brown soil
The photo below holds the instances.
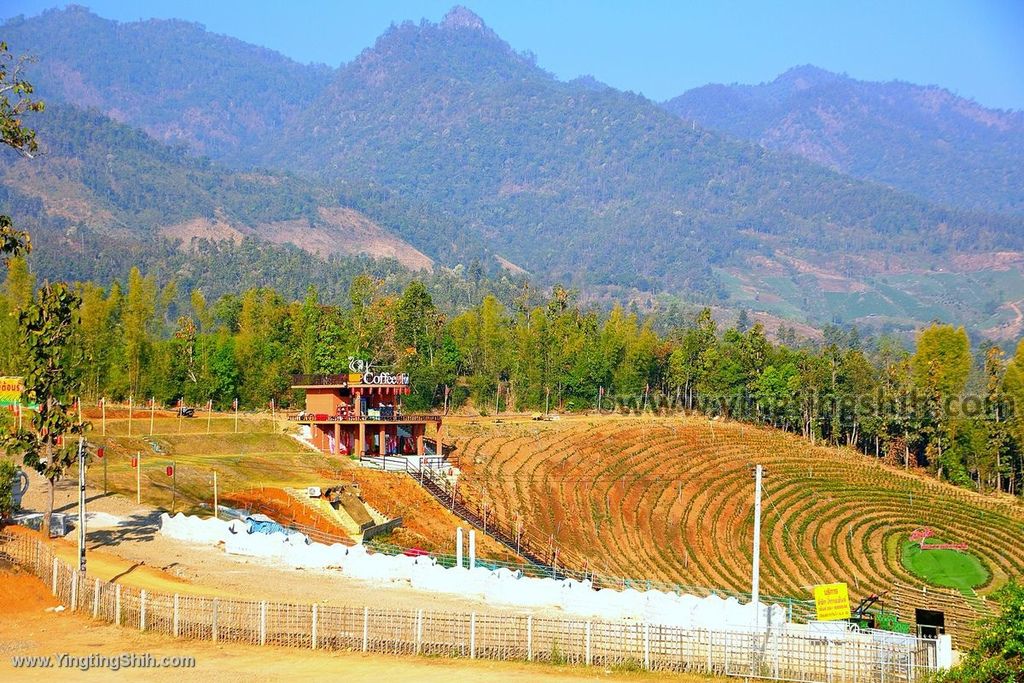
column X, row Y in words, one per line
column 670, row 499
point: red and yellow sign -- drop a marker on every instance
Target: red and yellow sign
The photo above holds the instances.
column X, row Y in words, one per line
column 832, row 602
column 11, row 389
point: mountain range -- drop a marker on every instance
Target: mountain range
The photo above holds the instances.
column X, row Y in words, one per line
column 815, row 198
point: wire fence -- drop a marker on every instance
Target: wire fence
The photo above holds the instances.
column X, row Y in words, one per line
column 779, row 653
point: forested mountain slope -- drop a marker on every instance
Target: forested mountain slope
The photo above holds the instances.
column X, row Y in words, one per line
column 924, row 140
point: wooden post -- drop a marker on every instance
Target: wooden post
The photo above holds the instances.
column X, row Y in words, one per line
column 216, row 508
column 313, row 637
column 138, row 477
column 174, row 486
column 529, row 637
column 56, row 569
column 117, row 604
column 419, row 631
column 74, row 591
column 213, row 619
column 129, row 415
column 96, row 599
column 152, row 413
column 263, row 622
column 472, row 635
column 366, row 628
column 176, row 612
column 103, row 414
column 142, row 610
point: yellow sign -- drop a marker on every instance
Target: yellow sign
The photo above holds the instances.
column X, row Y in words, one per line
column 832, row 602
column 10, row 391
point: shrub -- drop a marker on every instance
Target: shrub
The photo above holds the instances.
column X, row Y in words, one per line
column 8, row 475
column 999, row 655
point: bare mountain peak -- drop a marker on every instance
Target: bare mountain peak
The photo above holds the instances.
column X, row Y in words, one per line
column 462, row 17
column 807, row 76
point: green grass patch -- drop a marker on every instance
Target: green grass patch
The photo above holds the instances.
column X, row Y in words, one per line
column 946, row 568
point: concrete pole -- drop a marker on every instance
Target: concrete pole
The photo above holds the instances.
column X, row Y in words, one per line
column 472, row 548
column 81, row 505
column 458, row 547
column 755, row 591
column 216, row 508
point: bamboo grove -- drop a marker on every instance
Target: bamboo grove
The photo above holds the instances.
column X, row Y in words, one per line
column 942, row 405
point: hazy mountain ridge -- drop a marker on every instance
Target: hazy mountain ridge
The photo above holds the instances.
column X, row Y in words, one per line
column 921, row 139
column 172, row 78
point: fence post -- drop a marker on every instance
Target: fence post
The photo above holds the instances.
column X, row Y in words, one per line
column 313, row 635
column 117, row 604
column 263, row 622
column 529, row 637
column 53, row 579
column 74, row 591
column 176, row 611
column 366, row 628
column 96, row 599
column 213, row 620
column 709, row 649
column 586, row 648
column 647, row 646
column 419, row 631
column 142, row 610
column 472, row 634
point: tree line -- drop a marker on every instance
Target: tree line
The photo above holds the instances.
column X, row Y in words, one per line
column 942, row 404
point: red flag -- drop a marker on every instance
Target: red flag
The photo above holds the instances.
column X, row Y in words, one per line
column 99, row 452
column 135, row 461
column 170, row 470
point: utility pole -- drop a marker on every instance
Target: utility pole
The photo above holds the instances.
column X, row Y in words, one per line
column 81, row 505
column 755, row 591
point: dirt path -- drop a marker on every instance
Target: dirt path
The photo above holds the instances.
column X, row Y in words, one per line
column 27, row 629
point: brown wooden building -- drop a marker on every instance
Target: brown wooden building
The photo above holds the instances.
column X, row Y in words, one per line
column 359, row 414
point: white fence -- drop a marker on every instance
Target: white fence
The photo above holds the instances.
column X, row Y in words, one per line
column 778, row 654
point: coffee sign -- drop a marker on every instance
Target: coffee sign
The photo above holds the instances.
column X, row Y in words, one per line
column 362, row 372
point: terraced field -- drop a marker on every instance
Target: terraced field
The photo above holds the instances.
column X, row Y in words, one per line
column 671, row 499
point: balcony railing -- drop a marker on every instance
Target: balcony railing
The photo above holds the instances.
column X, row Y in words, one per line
column 398, row 417
column 320, row 380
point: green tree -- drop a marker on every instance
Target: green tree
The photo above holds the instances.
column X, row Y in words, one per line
column 15, row 101
column 51, row 382
column 999, row 655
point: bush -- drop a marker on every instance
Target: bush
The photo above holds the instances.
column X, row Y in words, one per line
column 8, row 475
column 999, row 655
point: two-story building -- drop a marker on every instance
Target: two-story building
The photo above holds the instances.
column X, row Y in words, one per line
column 360, row 413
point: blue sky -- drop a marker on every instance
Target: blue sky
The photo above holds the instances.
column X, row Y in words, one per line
column 974, row 48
